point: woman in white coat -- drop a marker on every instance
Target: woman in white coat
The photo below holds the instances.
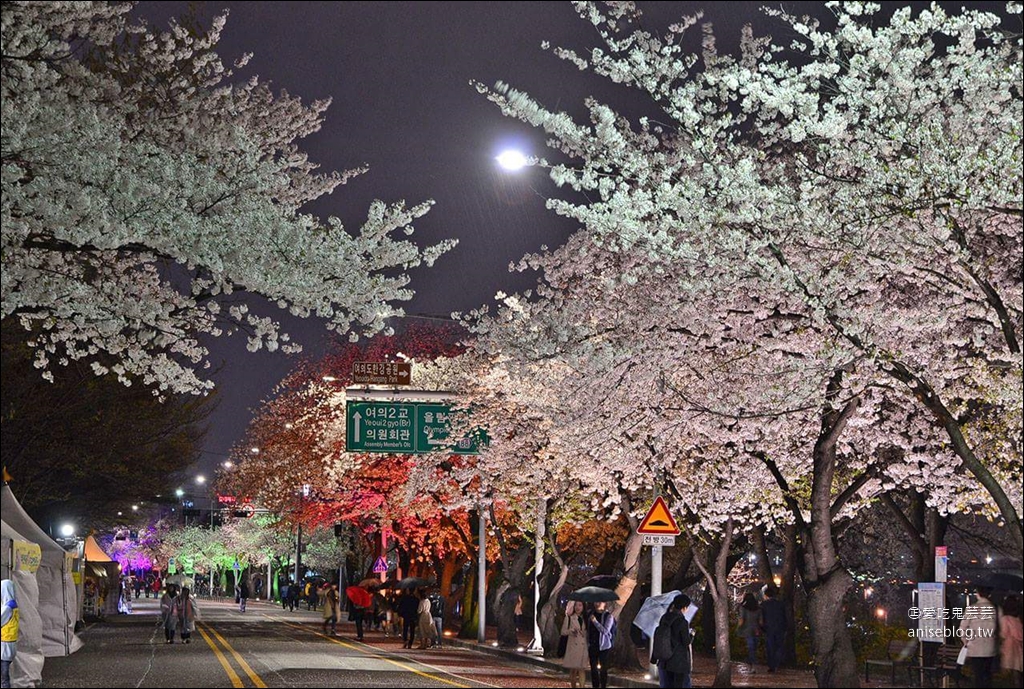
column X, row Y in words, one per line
column 574, row 627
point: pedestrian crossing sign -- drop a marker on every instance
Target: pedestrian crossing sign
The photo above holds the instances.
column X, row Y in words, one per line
column 659, row 520
column 380, row 566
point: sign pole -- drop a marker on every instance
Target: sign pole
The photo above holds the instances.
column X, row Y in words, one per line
column 656, row 562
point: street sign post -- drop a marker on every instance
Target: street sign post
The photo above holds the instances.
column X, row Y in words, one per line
column 659, row 540
column 380, row 565
column 381, row 373
column 403, row 428
column 941, row 563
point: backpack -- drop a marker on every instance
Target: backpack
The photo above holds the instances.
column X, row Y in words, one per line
column 663, row 644
column 436, row 609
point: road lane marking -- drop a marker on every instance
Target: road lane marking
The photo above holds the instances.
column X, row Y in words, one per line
column 257, row 682
column 236, row 681
column 397, row 663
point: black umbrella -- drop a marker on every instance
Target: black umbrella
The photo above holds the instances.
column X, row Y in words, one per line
column 389, row 584
column 414, row 583
column 593, row 594
column 603, row 581
column 1002, row 581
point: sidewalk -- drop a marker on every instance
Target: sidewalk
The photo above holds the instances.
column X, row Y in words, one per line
column 703, row 675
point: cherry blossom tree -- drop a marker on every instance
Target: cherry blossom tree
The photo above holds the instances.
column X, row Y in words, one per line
column 831, row 171
column 146, row 186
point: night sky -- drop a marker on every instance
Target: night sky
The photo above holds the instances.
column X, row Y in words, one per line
column 399, row 77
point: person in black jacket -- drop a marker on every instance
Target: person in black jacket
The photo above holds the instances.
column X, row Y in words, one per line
column 773, row 624
column 675, row 670
column 409, row 611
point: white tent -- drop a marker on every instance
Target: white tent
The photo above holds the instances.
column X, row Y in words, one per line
column 27, row 669
column 58, row 597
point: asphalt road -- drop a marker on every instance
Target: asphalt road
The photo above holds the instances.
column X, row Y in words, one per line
column 267, row 647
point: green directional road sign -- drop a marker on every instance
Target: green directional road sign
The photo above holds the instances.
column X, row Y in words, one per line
column 403, row 428
column 380, row 427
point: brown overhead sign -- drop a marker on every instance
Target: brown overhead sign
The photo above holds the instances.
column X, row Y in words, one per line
column 381, row 373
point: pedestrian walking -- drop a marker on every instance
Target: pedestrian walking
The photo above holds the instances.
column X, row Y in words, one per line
column 671, row 648
column 156, row 585
column 243, row 593
column 167, row 616
column 978, row 631
column 437, row 613
column 601, row 631
column 749, row 627
column 574, row 628
column 283, row 588
column 425, row 621
column 1011, row 639
column 9, row 621
column 331, row 609
column 408, row 610
column 294, row 594
column 137, row 583
column 773, row 624
column 311, row 597
column 187, row 612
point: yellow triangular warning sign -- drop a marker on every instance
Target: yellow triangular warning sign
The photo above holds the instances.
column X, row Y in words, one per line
column 658, row 520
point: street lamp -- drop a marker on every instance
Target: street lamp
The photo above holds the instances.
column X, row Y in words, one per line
column 512, row 160
column 179, row 492
column 200, row 479
column 67, row 530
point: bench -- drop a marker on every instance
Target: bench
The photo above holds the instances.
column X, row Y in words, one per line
column 945, row 666
column 901, row 653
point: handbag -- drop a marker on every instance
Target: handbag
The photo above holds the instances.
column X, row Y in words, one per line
column 962, row 657
column 563, row 643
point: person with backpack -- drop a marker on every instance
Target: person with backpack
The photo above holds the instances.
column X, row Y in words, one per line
column 671, row 648
column 574, row 630
column 437, row 614
column 601, row 631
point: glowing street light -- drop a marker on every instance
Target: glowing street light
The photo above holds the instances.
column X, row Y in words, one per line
column 200, row 479
column 512, row 160
column 179, row 492
column 135, row 508
column 67, row 530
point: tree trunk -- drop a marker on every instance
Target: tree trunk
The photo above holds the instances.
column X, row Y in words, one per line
column 623, row 653
column 718, row 585
column 825, row 579
column 759, row 545
column 550, row 632
column 470, row 614
column 835, row 664
column 508, row 592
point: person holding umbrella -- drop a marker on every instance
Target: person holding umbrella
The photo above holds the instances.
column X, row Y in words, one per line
column 361, row 601
column 575, row 630
column 408, row 610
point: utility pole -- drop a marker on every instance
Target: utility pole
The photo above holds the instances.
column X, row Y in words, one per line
column 481, row 574
column 298, row 552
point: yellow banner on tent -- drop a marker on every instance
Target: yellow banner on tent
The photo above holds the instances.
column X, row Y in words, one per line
column 27, row 556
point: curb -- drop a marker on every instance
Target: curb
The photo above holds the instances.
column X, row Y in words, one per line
column 613, row 679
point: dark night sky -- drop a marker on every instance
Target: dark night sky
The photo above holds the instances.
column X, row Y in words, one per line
column 399, row 73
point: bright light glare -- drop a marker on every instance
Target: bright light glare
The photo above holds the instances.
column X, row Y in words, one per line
column 512, row 160
column 179, row 492
column 67, row 530
column 200, row 479
column 228, row 465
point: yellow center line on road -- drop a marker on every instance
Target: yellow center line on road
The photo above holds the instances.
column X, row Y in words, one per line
column 236, row 681
column 256, row 681
column 373, row 653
